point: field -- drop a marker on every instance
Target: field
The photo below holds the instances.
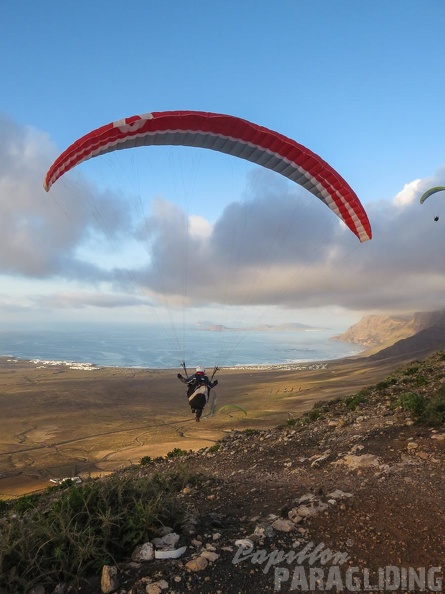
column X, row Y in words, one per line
column 59, row 422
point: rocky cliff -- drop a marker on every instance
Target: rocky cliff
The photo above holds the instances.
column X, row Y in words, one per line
column 385, row 330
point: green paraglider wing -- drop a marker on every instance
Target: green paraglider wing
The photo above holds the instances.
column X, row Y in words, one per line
column 230, row 407
column 431, row 191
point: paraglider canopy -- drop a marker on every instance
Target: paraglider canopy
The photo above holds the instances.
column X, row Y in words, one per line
column 430, row 192
column 226, row 134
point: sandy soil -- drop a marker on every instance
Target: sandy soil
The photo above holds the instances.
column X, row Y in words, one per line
column 58, row 422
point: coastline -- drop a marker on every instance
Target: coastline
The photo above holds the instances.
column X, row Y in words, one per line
column 59, row 421
column 140, row 348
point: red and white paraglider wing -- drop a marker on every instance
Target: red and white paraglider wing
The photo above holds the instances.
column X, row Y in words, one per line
column 226, row 134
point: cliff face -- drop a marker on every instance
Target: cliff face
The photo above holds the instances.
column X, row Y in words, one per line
column 385, row 330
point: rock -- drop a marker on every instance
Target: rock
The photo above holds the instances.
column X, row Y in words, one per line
column 412, row 445
column 109, row 580
column 305, row 511
column 264, row 531
column 165, row 530
column 210, row 556
column 283, row 525
column 307, row 498
column 355, row 462
column 144, row 552
column 338, row 494
column 246, row 543
column 438, row 436
column 156, row 587
column 319, row 460
column 197, row 564
column 422, row 455
column 294, row 516
column 167, row 541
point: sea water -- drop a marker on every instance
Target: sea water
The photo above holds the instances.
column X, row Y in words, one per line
column 157, row 348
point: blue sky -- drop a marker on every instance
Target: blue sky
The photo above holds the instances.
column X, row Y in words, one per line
column 359, row 83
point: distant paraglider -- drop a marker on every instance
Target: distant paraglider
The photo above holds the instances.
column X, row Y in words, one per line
column 430, row 192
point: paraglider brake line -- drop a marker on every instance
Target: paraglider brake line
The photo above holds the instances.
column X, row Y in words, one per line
column 184, row 368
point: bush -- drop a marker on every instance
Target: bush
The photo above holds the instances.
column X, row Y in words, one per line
column 353, row 401
column 412, row 370
column 434, row 412
column 413, row 402
column 386, row 383
column 176, row 453
column 314, row 414
column 71, row 535
column 251, row 432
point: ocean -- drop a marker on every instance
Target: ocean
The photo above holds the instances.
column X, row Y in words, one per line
column 157, row 348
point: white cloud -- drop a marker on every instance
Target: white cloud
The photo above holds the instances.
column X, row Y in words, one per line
column 199, row 227
column 409, row 194
column 279, row 246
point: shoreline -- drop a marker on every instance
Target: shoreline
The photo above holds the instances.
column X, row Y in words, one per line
column 58, row 421
column 100, row 349
column 287, row 366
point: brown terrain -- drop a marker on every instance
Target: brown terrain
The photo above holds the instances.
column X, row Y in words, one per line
column 352, row 483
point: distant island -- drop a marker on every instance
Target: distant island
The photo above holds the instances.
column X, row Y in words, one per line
column 285, row 327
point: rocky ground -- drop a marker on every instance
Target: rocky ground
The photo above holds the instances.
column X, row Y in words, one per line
column 318, row 504
column 358, row 486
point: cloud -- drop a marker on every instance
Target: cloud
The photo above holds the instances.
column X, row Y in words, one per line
column 80, row 300
column 40, row 234
column 279, row 245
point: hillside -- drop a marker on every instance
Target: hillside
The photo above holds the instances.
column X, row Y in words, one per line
column 356, row 483
column 384, row 330
column 420, row 344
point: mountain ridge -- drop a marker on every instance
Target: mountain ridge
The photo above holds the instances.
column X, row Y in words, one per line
column 379, row 332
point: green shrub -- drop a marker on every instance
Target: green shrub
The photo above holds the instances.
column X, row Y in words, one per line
column 434, row 412
column 386, row 383
column 412, row 370
column 413, row 402
column 353, row 401
column 421, row 380
column 176, row 453
column 251, row 432
column 146, row 461
column 215, row 447
column 314, row 414
column 71, row 535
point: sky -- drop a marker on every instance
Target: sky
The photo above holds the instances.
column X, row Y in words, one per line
column 170, row 234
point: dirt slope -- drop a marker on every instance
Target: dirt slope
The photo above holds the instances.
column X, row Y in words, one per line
column 358, row 484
